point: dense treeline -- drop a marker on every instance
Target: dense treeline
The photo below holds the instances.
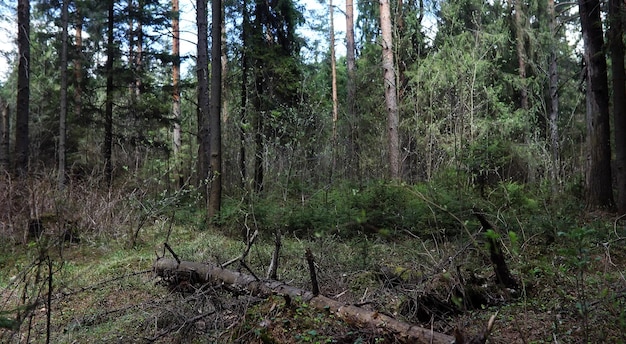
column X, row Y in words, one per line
column 486, row 92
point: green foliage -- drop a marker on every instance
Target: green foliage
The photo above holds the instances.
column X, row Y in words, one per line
column 381, row 209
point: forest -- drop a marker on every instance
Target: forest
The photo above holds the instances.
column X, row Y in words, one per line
column 312, row 171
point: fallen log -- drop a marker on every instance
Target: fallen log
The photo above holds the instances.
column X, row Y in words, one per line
column 207, row 273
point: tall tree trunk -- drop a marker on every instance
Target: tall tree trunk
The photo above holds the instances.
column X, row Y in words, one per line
column 259, row 127
column 554, row 100
column 22, row 140
column 5, row 134
column 78, row 64
column 244, row 94
column 202, row 70
column 135, row 62
column 390, row 91
column 139, row 56
column 354, row 168
column 598, row 182
column 616, row 8
column 521, row 52
column 63, row 100
column 108, row 115
column 333, row 68
column 176, row 134
column 215, row 120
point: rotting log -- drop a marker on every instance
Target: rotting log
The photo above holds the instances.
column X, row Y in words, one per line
column 207, row 273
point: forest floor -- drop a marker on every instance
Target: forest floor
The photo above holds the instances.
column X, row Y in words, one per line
column 572, row 289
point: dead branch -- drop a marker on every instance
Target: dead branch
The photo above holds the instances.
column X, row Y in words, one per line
column 503, row 274
column 311, row 261
column 242, row 257
column 271, row 271
column 207, row 273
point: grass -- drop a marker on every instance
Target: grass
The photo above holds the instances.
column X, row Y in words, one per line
column 569, row 264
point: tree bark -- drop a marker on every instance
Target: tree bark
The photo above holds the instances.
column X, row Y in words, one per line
column 598, row 181
column 5, row 134
column 333, row 69
column 22, row 140
column 108, row 115
column 215, row 195
column 389, row 80
column 258, row 102
column 354, row 165
column 63, row 100
column 521, row 53
column 245, row 28
column 78, row 64
column 616, row 9
column 202, row 71
column 176, row 133
column 553, row 116
column 205, row 273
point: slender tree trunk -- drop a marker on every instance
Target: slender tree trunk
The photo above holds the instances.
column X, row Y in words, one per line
column 616, row 8
column 554, row 100
column 63, row 100
column 136, row 66
column 22, row 140
column 78, row 64
column 259, row 127
column 521, row 53
column 333, row 68
column 108, row 115
column 202, row 70
column 5, row 133
column 354, row 168
column 244, row 95
column 139, row 56
column 598, row 186
column 215, row 120
column 176, row 134
column 390, row 91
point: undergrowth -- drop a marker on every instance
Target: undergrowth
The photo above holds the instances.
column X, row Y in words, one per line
column 415, row 252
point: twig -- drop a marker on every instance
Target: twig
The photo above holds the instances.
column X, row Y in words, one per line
column 167, row 246
column 245, row 266
column 99, row 284
column 243, row 256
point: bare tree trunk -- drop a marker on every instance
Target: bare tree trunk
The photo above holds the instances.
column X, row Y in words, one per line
column 554, row 101
column 244, row 95
column 521, row 53
column 259, row 128
column 22, row 140
column 202, row 71
column 258, row 104
column 108, row 115
column 176, row 134
column 215, row 119
column 139, row 56
column 5, row 134
column 63, row 100
column 354, row 168
column 78, row 64
column 598, row 186
column 390, row 91
column 333, row 68
column 616, row 8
